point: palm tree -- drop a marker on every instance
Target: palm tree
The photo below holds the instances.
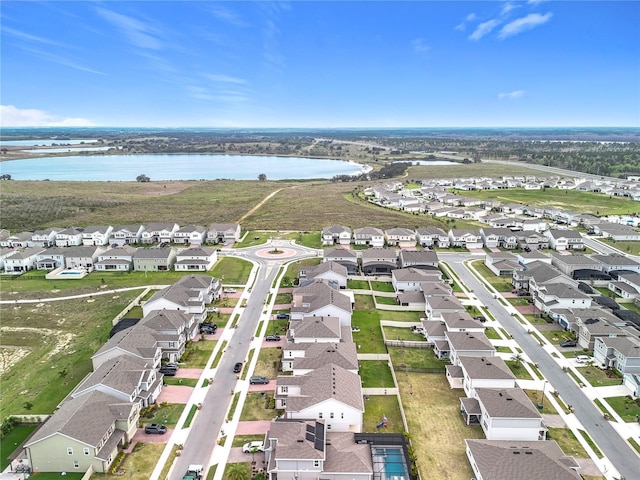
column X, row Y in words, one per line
column 237, row 471
column 517, row 358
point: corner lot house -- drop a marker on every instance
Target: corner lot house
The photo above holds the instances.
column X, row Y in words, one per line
column 329, row 272
column 22, row 260
column 564, row 240
column 336, row 235
column 87, row 431
column 622, row 353
column 190, row 235
column 195, row 259
column 223, row 232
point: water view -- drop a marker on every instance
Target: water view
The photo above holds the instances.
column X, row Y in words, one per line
column 44, row 143
column 175, row 167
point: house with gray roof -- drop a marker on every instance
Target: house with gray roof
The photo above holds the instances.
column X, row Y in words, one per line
column 468, row 344
column 567, row 317
column 568, row 264
column 159, row 232
column 44, row 238
column 498, row 237
column 195, row 259
column 461, row 322
column 69, row 237
column 86, row 432
column 502, row 263
column 321, row 300
column 504, row 414
column 561, row 240
column 22, row 260
column 425, row 259
column 379, row 261
column 139, row 341
column 432, row 236
column 411, row 279
column 224, row 232
column 345, row 257
column 498, row 460
column 465, row 238
column 118, row 259
column 619, row 353
column 302, row 358
column 209, row 287
column 82, row 257
column 328, row 272
column 317, row 330
column 617, row 232
column 614, row 262
column 525, row 258
column 154, row 259
column 173, row 329
column 532, row 240
column 559, row 295
column 480, row 372
column 190, row 235
column 330, row 393
column 591, row 328
column 128, row 378
column 435, row 305
column 400, row 237
column 177, row 297
column 413, row 299
column 370, row 236
column 94, row 235
column 336, row 235
column 307, row 450
column 126, row 234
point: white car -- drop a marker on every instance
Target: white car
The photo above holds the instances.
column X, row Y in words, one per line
column 229, row 290
column 583, row 358
column 251, row 446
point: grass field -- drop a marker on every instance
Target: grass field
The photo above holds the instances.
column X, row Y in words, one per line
column 268, row 364
column 13, row 440
column 627, row 408
column 256, row 407
column 436, row 428
column 416, row 358
column 470, row 170
column 232, row 271
column 137, row 465
column 501, row 284
column 378, row 406
column 375, row 374
column 567, row 442
column 628, row 247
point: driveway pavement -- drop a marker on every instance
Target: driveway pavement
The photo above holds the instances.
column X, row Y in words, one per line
column 175, row 394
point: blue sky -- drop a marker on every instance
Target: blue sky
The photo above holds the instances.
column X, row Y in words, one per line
column 320, row 64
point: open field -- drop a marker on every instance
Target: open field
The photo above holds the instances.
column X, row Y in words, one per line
column 436, row 428
column 632, row 248
column 60, row 338
column 419, row 172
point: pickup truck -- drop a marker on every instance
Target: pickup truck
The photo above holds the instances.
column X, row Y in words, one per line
column 194, row 472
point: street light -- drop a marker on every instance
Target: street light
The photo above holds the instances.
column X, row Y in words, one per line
column 543, row 389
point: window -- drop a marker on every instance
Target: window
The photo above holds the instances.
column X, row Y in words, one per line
column 69, row 451
column 320, row 415
column 316, row 463
column 342, row 415
column 85, row 450
column 331, row 415
column 284, row 389
column 76, row 464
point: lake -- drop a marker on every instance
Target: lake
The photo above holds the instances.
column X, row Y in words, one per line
column 43, row 143
column 175, row 167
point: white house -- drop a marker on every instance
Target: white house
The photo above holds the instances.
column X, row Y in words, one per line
column 159, row 232
column 22, row 260
column 190, row 235
column 195, row 259
column 126, row 234
column 302, row 358
column 70, row 237
column 96, row 235
column 318, row 330
column 320, row 300
column 371, row 236
column 564, row 239
column 336, row 235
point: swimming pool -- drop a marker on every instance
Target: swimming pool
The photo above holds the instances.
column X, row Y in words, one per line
column 389, row 463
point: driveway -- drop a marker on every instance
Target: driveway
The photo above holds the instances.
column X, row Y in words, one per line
column 175, row 394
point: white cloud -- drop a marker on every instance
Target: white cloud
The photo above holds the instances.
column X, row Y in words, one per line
column 523, row 24
column 227, row 16
column 419, row 45
column 11, row 116
column 483, row 29
column 220, row 78
column 511, row 95
column 461, row 27
column 136, row 32
column 507, row 7
column 31, row 38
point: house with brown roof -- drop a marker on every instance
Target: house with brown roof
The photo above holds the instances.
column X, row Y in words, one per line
column 329, row 272
column 195, row 258
column 343, row 256
column 498, row 460
column 318, row 330
column 321, row 300
column 302, row 358
column 504, row 414
column 468, row 344
column 330, row 393
column 86, row 432
column 379, row 261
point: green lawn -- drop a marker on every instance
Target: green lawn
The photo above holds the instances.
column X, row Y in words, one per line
column 600, row 378
column 382, row 286
column 10, row 442
column 284, row 298
column 268, row 364
column 556, row 336
column 518, row 301
column 232, row 270
column 567, row 442
column 402, row 315
column 378, row 406
column 386, row 300
column 399, row 333
column 632, row 248
column 416, row 358
column 518, row 370
column 492, row 334
column 358, row 285
column 627, row 408
column 501, row 284
column 366, row 317
column 184, row 382
column 197, row 354
column 166, row 413
column 375, row 374
column 258, row 406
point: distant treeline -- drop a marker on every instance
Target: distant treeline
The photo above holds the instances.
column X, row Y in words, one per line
column 390, row 170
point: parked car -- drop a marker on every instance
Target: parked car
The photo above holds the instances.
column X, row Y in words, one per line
column 155, row 428
column 583, row 358
column 258, row 380
column 212, row 309
column 229, row 290
column 172, row 365
column 208, row 330
column 282, row 316
column 209, row 325
column 237, row 368
column 569, row 343
column 250, row 446
column 272, row 338
column 480, row 318
column 169, row 372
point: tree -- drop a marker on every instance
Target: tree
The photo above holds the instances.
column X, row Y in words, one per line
column 517, row 359
column 238, row 471
column 262, row 177
column 142, row 178
column 5, row 176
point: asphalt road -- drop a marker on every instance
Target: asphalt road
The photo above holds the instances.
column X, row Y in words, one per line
column 623, row 458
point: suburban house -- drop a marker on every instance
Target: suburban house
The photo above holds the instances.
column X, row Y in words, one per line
column 85, row 432
column 412, row 299
column 617, row 232
column 499, row 237
column 468, row 344
column 432, row 237
column 620, row 353
column 96, row 235
column 44, row 238
column 343, row 256
column 538, row 273
column 129, row 379
column 173, row 330
column 502, row 264
column 190, row 235
column 480, row 372
column 116, row 259
column 154, row 259
column 18, row 240
column 223, row 232
column 632, row 382
column 411, row 279
column 139, row 341
column 564, row 239
column 82, row 257
column 379, row 261
column 177, row 297
column 435, row 305
column 559, row 295
column 22, row 260
column 50, row 259
column 461, row 322
column 336, row 235
column 159, row 232
column 591, row 328
column 306, row 450
column 400, row 237
column 615, row 262
column 195, row 259
column 567, row 317
column 320, row 300
column 302, row 358
column 627, row 286
column 569, row 264
column 465, row 238
column 426, row 259
column 532, row 240
column 371, row 236
column 498, row 460
column 126, row 234
column 209, row 287
column 328, row 393
column 70, row 237
column 329, row 272
column 525, row 258
column 318, row 330
column 504, row 414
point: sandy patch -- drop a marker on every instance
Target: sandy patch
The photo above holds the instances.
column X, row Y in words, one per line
column 9, row 356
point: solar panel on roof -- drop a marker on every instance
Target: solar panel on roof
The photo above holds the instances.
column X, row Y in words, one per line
column 320, row 431
column 310, row 437
column 310, row 428
column 319, row 445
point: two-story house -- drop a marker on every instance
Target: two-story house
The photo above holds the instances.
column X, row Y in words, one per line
column 159, row 232
column 190, row 235
column 224, row 233
column 321, row 300
column 95, row 235
column 195, row 259
column 345, row 257
column 336, row 235
column 126, row 234
column 371, row 236
column 329, row 272
column 379, row 261
column 400, row 237
column 69, row 237
column 564, row 239
column 154, row 259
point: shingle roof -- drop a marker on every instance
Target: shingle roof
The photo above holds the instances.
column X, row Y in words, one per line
column 346, row 456
column 316, row 327
column 292, row 442
column 325, row 267
column 465, row 341
column 317, row 355
column 507, row 403
column 486, row 368
column 123, row 373
column 460, row 320
column 316, row 295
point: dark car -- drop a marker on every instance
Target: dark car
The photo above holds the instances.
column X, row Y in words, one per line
column 172, row 365
column 258, row 380
column 282, row 316
column 569, row 343
column 209, row 324
column 168, row 371
column 237, row 368
column 155, row 428
column 207, row 330
column 480, row 318
column 272, row 338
